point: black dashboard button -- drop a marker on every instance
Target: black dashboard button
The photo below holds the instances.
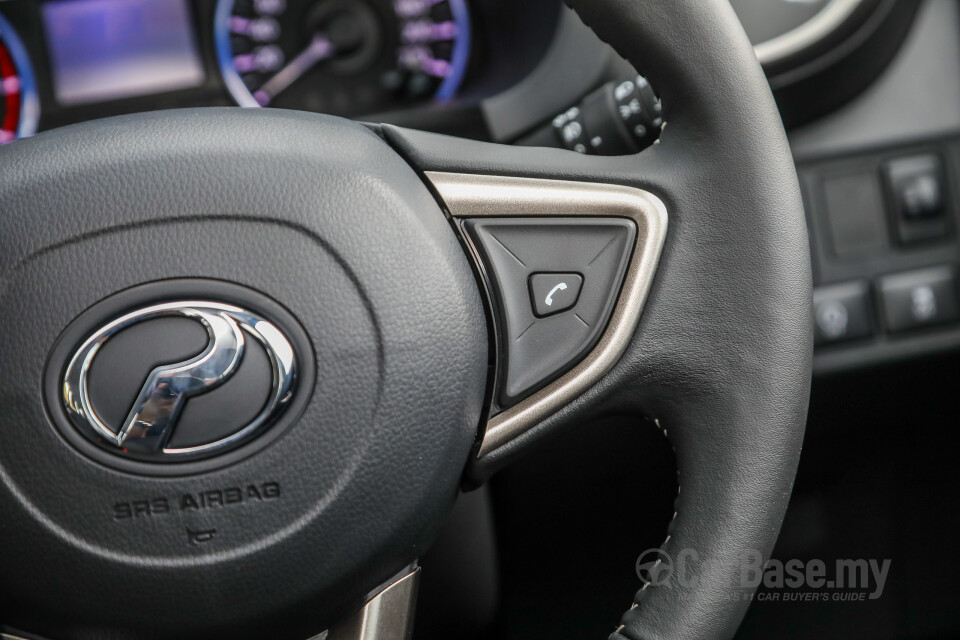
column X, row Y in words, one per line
column 521, row 257
column 552, row 293
column 918, row 299
column 842, row 312
column 855, row 214
column 918, row 192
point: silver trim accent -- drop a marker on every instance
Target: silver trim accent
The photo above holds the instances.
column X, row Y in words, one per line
column 833, row 15
column 387, row 616
column 154, row 413
column 467, row 196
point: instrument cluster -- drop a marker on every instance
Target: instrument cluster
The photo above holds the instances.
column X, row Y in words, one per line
column 421, row 63
column 342, row 56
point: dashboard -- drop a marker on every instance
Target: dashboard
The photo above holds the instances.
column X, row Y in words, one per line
column 424, row 63
column 485, row 69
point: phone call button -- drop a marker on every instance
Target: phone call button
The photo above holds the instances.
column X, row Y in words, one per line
column 552, row 293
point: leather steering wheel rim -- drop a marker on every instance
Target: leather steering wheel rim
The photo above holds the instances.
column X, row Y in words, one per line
column 721, row 358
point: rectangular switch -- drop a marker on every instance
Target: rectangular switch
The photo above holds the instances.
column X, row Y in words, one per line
column 918, row 299
column 918, row 193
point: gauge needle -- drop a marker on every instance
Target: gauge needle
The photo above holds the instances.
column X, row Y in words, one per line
column 320, row 49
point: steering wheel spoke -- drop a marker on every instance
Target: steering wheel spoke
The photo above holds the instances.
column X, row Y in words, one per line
column 388, row 615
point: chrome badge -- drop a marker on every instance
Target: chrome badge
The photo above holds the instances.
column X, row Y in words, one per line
column 154, row 413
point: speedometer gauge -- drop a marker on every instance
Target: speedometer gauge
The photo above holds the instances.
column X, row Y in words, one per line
column 19, row 109
column 344, row 57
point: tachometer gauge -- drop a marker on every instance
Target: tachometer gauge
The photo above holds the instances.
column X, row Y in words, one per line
column 345, row 57
column 19, row 108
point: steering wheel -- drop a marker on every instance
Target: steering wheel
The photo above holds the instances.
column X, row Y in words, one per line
column 330, row 327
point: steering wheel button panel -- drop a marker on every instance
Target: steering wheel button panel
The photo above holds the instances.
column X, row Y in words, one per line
column 552, row 293
column 572, row 268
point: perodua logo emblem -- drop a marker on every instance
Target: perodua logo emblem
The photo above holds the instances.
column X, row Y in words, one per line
column 235, row 339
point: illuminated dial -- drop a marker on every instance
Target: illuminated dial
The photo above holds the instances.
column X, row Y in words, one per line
column 345, row 57
column 19, row 108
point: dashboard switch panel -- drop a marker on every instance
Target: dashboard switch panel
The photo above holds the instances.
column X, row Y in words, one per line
column 919, row 299
column 526, row 258
column 842, row 312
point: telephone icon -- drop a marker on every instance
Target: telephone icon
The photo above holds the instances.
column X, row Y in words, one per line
column 549, row 299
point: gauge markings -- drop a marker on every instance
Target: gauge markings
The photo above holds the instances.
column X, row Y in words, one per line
column 346, row 57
